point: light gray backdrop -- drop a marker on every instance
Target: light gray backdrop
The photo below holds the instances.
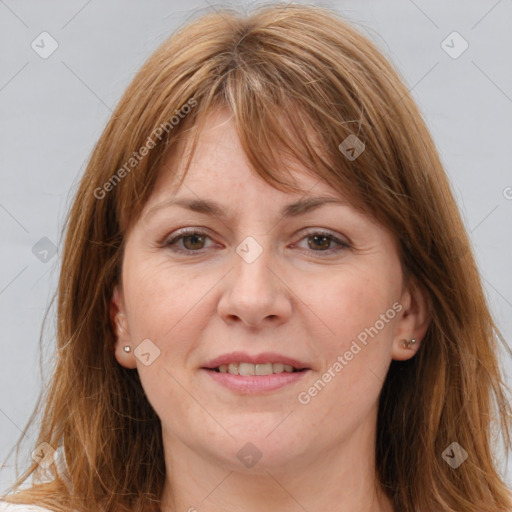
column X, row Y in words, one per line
column 58, row 89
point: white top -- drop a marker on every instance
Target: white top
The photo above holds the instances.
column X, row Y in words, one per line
column 14, row 507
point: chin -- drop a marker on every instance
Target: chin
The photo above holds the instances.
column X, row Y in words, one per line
column 256, row 451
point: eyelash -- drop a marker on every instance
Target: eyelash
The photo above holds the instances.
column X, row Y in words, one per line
column 192, row 231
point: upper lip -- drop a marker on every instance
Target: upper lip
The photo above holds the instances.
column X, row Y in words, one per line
column 263, row 357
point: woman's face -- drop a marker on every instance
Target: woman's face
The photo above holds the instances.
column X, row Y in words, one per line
column 258, row 284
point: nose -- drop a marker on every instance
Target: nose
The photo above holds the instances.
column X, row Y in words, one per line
column 255, row 292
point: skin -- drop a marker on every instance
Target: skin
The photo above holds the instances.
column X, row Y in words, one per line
column 293, row 299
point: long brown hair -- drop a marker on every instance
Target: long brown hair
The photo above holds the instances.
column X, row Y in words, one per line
column 299, row 80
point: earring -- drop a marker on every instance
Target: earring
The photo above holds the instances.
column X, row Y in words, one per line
column 127, row 348
column 408, row 343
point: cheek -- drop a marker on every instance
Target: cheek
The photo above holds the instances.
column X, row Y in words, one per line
column 354, row 303
column 160, row 297
column 358, row 309
column 356, row 354
column 165, row 305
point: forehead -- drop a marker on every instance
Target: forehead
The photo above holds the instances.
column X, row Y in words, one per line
column 220, row 168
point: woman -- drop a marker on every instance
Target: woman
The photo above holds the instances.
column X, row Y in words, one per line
column 268, row 299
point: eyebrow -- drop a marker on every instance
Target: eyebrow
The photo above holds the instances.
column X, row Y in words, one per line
column 208, row 207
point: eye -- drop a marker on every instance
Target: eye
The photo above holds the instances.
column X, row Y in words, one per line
column 320, row 241
column 193, row 240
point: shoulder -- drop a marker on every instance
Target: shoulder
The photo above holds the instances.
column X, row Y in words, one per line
column 16, row 507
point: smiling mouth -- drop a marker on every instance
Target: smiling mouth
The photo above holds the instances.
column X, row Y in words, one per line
column 249, row 369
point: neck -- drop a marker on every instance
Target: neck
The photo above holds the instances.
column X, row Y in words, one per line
column 337, row 479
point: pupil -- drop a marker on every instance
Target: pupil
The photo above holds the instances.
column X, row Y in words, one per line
column 323, row 237
column 194, row 237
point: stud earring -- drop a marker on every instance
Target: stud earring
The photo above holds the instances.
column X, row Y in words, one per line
column 408, row 343
column 127, row 348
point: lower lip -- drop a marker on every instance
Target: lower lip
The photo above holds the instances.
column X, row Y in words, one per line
column 254, row 384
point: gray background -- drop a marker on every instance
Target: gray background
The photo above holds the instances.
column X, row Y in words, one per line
column 53, row 110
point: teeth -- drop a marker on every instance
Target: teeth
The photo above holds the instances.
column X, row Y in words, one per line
column 278, row 367
column 263, row 369
column 247, row 369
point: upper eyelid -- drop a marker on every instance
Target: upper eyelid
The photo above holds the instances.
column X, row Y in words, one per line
column 205, row 231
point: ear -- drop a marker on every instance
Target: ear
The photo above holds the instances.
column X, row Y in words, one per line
column 121, row 330
column 413, row 321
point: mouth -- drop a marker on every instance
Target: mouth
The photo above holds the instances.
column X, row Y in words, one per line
column 244, row 364
column 244, row 373
column 250, row 369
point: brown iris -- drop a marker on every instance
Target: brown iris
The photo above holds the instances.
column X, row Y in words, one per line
column 326, row 239
column 194, row 238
